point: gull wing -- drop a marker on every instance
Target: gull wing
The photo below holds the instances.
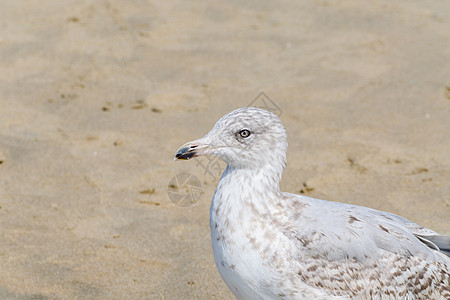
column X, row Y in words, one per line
column 355, row 251
column 339, row 230
column 427, row 236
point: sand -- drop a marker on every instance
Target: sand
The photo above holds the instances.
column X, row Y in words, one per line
column 96, row 96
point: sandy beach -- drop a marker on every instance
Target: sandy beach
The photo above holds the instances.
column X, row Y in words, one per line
column 96, row 97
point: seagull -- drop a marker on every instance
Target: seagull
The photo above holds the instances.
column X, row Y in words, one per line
column 270, row 244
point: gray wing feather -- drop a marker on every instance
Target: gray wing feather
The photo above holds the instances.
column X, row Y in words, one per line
column 427, row 236
column 437, row 242
column 364, row 231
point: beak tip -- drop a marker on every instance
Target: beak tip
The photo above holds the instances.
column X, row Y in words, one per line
column 184, row 153
column 191, row 149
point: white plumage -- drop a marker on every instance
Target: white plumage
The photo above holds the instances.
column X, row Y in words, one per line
column 273, row 245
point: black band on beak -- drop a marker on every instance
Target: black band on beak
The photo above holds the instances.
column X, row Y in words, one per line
column 185, row 153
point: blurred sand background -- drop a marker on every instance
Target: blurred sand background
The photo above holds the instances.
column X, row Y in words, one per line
column 96, row 96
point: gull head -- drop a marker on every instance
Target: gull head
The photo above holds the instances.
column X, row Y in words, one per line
column 244, row 138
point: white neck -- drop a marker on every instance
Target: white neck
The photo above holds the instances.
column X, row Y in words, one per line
column 241, row 189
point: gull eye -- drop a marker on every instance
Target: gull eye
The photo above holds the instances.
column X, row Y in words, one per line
column 245, row 133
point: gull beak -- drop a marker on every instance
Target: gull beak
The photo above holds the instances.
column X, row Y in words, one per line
column 192, row 149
